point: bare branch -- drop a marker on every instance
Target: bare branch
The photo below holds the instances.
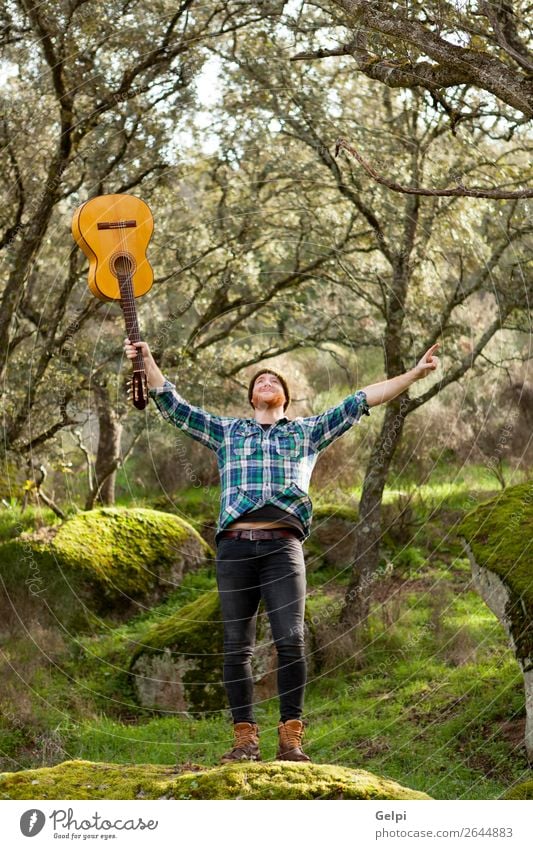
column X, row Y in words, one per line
column 51, row 431
column 459, row 191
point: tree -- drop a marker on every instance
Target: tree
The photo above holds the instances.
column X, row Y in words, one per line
column 94, row 109
column 419, row 265
column 437, row 46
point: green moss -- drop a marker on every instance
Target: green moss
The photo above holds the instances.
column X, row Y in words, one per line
column 80, row 779
column 500, row 534
column 121, row 548
column 102, row 559
column 290, row 781
column 194, row 635
column 183, row 625
column 520, row 791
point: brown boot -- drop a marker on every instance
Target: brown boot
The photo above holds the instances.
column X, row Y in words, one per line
column 290, row 735
column 246, row 746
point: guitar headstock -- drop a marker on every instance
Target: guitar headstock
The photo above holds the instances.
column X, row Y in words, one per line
column 137, row 390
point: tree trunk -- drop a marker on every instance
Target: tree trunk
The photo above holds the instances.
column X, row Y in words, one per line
column 108, row 452
column 368, row 532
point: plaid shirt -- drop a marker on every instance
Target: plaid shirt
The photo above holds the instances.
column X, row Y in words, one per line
column 256, row 466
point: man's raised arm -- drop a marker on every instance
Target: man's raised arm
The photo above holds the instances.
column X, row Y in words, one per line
column 196, row 422
column 380, row 393
column 328, row 426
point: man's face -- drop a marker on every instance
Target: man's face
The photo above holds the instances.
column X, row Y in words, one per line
column 268, row 392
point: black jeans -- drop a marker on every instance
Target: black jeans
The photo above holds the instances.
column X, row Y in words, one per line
column 273, row 569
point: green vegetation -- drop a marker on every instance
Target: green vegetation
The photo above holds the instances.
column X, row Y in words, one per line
column 500, row 533
column 14, row 521
column 83, row 780
column 524, row 790
column 432, row 700
column 101, row 560
column 326, row 509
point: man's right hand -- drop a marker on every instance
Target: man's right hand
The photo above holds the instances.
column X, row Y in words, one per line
column 153, row 376
column 131, row 349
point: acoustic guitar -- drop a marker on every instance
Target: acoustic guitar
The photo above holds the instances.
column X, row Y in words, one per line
column 113, row 232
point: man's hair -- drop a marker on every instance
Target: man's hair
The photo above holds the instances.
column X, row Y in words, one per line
column 279, row 377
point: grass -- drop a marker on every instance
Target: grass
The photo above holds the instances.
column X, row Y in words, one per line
column 434, row 699
column 422, row 710
column 13, row 521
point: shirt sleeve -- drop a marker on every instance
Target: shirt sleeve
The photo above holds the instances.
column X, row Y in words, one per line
column 328, row 426
column 196, row 422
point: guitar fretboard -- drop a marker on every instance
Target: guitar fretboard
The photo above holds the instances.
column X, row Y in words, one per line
column 127, row 302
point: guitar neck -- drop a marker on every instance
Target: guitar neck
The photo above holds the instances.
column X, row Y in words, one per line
column 127, row 302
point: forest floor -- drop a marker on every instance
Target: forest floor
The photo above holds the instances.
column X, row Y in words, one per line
column 430, row 697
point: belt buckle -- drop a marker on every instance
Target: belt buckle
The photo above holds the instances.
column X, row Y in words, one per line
column 253, row 532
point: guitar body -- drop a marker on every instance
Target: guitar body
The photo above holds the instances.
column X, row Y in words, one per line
column 103, row 246
column 113, row 232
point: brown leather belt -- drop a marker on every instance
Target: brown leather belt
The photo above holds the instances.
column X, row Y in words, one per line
column 259, row 533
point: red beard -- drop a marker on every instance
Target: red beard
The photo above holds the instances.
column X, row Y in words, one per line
column 276, row 400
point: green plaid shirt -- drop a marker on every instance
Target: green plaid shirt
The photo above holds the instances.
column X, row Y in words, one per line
column 258, row 467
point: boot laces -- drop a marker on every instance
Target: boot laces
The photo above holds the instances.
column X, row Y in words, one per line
column 293, row 736
column 245, row 734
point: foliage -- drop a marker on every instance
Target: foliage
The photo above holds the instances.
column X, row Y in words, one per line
column 453, row 51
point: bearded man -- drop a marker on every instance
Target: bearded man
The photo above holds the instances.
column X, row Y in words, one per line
column 265, row 464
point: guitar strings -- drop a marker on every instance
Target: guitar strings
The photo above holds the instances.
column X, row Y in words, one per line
column 125, row 281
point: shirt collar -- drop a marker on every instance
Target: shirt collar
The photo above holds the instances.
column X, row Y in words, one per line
column 279, row 421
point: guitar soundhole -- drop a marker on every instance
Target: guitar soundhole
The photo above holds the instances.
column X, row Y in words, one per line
column 122, row 264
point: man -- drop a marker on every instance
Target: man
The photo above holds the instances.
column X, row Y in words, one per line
column 265, row 466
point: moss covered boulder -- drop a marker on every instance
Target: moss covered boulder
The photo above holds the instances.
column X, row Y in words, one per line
column 105, row 560
column 524, row 790
column 178, row 665
column 85, row 780
column 498, row 537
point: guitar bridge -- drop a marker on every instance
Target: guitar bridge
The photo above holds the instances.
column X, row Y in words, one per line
column 116, row 225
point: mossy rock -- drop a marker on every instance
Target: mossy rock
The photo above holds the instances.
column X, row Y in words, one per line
column 105, row 560
column 80, row 779
column 199, row 506
column 499, row 532
column 520, row 791
column 178, row 664
column 332, row 539
column 498, row 536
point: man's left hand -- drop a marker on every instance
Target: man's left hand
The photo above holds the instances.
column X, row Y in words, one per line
column 427, row 363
